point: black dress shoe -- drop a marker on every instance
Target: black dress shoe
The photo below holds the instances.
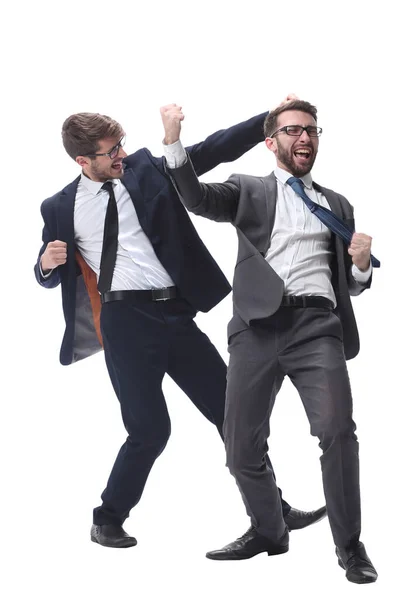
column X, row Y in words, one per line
column 298, row 519
column 113, row 536
column 248, row 545
column 356, row 563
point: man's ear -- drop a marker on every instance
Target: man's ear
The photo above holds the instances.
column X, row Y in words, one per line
column 83, row 161
column 271, row 144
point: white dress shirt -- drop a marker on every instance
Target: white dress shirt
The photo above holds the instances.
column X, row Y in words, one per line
column 137, row 266
column 300, row 248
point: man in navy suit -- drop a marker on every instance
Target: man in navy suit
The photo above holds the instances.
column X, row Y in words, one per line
column 134, row 273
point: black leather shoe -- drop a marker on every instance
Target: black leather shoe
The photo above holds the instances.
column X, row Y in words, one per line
column 113, row 536
column 356, row 563
column 298, row 519
column 248, row 545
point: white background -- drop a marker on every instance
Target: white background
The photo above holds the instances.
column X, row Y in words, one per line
column 61, row 428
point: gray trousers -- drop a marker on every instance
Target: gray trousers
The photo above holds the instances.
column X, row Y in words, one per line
column 305, row 344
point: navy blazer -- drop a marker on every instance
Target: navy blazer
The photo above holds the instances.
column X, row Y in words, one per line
column 164, row 221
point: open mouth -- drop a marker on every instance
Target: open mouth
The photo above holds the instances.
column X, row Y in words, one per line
column 117, row 166
column 303, row 154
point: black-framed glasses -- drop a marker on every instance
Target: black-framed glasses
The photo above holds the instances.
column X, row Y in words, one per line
column 115, row 150
column 297, row 130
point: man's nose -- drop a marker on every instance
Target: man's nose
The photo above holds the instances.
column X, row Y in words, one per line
column 304, row 137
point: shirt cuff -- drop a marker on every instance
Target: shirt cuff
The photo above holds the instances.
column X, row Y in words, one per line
column 361, row 276
column 175, row 155
column 42, row 274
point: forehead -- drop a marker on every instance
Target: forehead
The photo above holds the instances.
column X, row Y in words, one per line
column 295, row 117
column 106, row 144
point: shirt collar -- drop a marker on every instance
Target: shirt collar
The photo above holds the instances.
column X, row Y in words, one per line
column 94, row 187
column 282, row 176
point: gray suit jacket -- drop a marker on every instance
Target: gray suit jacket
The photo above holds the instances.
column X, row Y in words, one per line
column 249, row 203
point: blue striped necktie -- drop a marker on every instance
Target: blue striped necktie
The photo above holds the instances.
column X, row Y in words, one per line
column 325, row 215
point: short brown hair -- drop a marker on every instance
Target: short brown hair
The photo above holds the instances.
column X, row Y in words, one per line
column 270, row 122
column 82, row 132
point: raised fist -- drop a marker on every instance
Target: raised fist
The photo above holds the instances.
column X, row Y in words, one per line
column 171, row 116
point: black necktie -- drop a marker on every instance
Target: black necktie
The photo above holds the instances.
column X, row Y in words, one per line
column 325, row 215
column 110, row 241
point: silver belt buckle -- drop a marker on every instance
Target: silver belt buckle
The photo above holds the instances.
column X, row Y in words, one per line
column 159, row 299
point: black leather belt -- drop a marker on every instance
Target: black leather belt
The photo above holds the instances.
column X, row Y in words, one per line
column 307, row 302
column 141, row 295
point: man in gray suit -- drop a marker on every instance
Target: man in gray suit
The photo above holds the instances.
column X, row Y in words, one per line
column 292, row 316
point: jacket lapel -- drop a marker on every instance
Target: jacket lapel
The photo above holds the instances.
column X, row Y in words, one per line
column 341, row 249
column 331, row 197
column 270, row 187
column 65, row 220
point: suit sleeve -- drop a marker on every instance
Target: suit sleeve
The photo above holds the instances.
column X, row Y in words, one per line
column 215, row 201
column 355, row 287
column 227, row 145
column 53, row 279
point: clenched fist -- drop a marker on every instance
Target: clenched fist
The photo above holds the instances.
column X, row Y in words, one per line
column 360, row 250
column 54, row 255
column 289, row 98
column 172, row 116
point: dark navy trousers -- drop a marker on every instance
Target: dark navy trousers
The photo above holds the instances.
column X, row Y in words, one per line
column 142, row 342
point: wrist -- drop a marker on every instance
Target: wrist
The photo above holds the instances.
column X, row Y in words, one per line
column 44, row 268
column 364, row 266
column 170, row 138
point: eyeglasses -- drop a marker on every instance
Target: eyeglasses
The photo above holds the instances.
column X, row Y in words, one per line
column 115, row 150
column 297, row 130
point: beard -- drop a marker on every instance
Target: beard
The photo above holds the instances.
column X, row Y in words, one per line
column 287, row 158
column 103, row 174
